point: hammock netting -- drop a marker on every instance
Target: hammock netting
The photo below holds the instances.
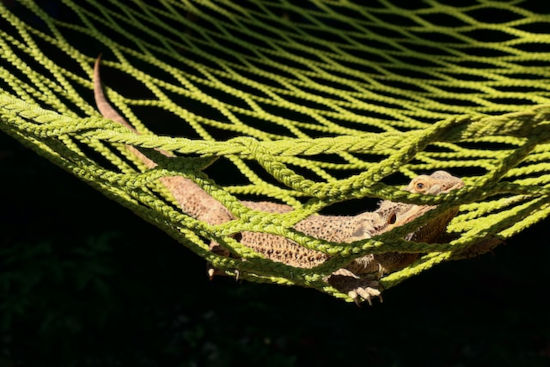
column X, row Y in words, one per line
column 309, row 104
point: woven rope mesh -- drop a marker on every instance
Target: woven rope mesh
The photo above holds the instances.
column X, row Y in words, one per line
column 309, row 104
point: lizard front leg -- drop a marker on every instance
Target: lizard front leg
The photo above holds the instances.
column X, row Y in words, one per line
column 347, row 280
column 359, row 279
column 355, row 286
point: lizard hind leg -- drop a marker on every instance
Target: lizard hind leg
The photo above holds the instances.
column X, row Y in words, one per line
column 211, row 271
column 217, row 249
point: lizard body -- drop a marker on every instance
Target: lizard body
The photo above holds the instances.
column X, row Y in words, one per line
column 356, row 278
column 337, row 228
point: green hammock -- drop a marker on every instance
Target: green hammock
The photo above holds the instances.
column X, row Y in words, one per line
column 304, row 103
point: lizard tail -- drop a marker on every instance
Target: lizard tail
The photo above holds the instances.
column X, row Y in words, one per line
column 192, row 199
column 101, row 102
column 110, row 113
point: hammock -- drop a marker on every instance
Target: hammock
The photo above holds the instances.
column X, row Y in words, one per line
column 308, row 104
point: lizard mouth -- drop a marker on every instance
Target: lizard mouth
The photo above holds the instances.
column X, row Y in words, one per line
column 438, row 189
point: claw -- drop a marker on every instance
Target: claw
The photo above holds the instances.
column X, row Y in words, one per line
column 237, row 274
column 380, row 271
column 210, row 272
column 369, row 300
column 358, row 289
column 365, row 294
column 355, row 298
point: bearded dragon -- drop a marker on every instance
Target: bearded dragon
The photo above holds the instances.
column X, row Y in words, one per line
column 356, row 279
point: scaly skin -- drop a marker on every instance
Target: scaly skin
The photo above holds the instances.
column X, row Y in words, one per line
column 353, row 228
column 356, row 279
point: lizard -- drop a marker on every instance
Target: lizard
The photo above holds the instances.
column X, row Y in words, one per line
column 355, row 279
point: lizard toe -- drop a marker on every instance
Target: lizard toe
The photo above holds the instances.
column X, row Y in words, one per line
column 210, row 271
column 355, row 297
column 368, row 293
column 358, row 289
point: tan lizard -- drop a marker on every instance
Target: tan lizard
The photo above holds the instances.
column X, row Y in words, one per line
column 356, row 279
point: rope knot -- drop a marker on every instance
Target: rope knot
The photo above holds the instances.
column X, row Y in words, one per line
column 252, row 145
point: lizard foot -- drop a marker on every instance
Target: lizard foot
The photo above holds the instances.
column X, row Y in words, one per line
column 359, row 289
column 212, row 272
column 367, row 293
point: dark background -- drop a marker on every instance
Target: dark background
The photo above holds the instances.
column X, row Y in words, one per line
column 85, row 282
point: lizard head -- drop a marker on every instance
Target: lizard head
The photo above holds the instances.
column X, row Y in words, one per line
column 397, row 214
column 436, row 183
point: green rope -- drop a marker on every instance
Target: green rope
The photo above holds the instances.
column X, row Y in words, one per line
column 308, row 104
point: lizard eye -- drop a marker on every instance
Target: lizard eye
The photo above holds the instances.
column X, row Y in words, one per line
column 420, row 186
column 392, row 218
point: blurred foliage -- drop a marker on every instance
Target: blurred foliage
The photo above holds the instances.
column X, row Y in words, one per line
column 30, row 270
